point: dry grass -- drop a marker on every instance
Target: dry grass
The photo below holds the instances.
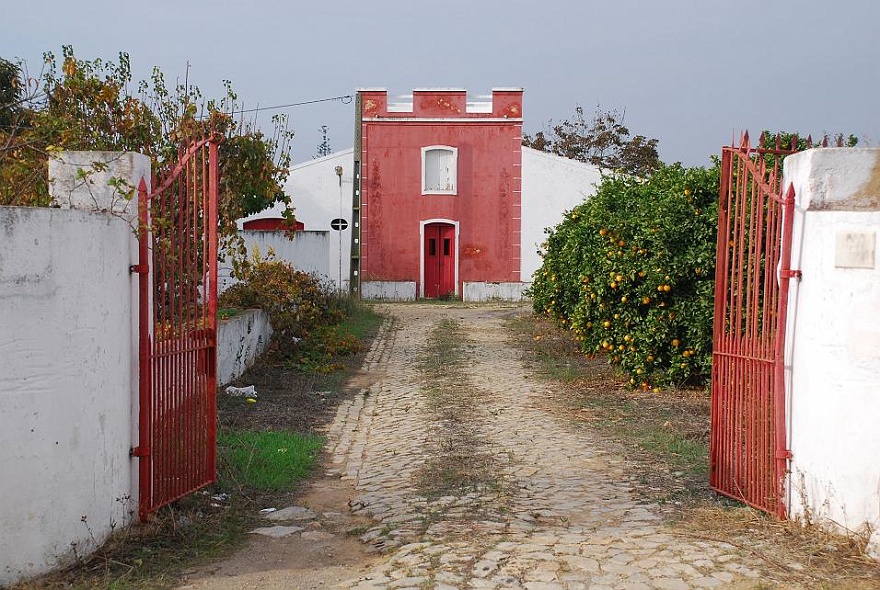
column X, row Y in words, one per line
column 807, row 555
column 150, row 555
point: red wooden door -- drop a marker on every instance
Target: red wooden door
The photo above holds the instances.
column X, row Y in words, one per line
column 439, row 260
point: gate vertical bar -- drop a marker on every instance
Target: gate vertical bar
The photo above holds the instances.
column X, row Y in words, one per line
column 785, row 275
column 143, row 451
column 212, row 222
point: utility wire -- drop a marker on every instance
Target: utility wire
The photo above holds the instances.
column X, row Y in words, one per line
column 345, row 99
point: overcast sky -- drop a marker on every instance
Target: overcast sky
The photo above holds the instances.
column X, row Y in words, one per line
column 688, row 72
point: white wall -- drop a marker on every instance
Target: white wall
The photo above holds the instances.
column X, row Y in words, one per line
column 318, row 198
column 389, row 290
column 65, row 384
column 308, row 251
column 240, row 340
column 833, row 339
column 483, row 291
column 95, row 188
column 551, row 185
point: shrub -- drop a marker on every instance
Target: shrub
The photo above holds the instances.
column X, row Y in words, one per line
column 631, row 273
column 296, row 302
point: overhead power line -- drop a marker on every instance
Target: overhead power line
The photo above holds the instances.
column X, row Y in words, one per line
column 345, row 99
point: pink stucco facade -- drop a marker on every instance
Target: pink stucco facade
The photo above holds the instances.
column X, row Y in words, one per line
column 480, row 204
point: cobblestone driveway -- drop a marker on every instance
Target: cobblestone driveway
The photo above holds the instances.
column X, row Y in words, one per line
column 563, row 516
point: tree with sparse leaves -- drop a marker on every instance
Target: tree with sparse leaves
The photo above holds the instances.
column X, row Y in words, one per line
column 86, row 105
column 603, row 141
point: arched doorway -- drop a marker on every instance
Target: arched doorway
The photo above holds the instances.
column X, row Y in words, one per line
column 440, row 255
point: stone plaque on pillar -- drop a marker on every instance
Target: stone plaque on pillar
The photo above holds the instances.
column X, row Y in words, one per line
column 854, row 249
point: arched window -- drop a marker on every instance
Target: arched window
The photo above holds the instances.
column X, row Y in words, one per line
column 439, row 170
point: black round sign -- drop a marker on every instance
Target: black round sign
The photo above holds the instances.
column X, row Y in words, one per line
column 339, row 224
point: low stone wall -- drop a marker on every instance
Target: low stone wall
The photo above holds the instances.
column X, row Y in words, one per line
column 483, row 291
column 240, row 340
column 389, row 290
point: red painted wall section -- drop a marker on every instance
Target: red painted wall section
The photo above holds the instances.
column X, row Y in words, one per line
column 271, row 224
column 486, row 205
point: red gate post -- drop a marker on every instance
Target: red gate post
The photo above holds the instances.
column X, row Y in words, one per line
column 213, row 199
column 145, row 425
column 783, row 454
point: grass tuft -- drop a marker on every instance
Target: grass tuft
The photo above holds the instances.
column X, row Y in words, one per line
column 267, row 460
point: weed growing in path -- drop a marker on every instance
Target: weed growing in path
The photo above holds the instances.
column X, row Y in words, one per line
column 463, row 463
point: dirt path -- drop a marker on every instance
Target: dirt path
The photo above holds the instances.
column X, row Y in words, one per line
column 447, row 471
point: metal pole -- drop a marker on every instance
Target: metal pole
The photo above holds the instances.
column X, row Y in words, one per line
column 341, row 210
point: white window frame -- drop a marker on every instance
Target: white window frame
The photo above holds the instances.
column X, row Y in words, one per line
column 453, row 170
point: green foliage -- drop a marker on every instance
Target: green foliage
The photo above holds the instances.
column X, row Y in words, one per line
column 11, row 93
column 631, row 273
column 267, row 460
column 296, row 302
column 87, row 105
column 603, row 141
column 324, row 347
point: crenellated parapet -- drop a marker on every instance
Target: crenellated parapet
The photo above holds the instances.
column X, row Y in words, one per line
column 442, row 103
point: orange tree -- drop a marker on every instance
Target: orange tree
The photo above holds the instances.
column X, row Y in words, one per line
column 631, row 273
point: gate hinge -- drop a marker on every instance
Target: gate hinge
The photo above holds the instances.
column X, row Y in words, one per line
column 139, row 452
column 140, row 269
column 794, row 273
column 784, row 454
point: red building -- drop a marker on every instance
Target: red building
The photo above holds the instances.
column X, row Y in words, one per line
column 437, row 190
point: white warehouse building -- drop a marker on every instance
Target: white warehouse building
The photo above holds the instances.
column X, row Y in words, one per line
column 321, row 193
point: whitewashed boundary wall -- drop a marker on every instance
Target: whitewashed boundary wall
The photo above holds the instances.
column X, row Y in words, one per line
column 69, row 368
column 482, row 291
column 69, row 384
column 833, row 340
column 68, row 373
column 389, row 290
column 308, row 251
column 240, row 340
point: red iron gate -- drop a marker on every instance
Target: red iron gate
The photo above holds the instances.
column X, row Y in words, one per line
column 178, row 317
column 748, row 454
